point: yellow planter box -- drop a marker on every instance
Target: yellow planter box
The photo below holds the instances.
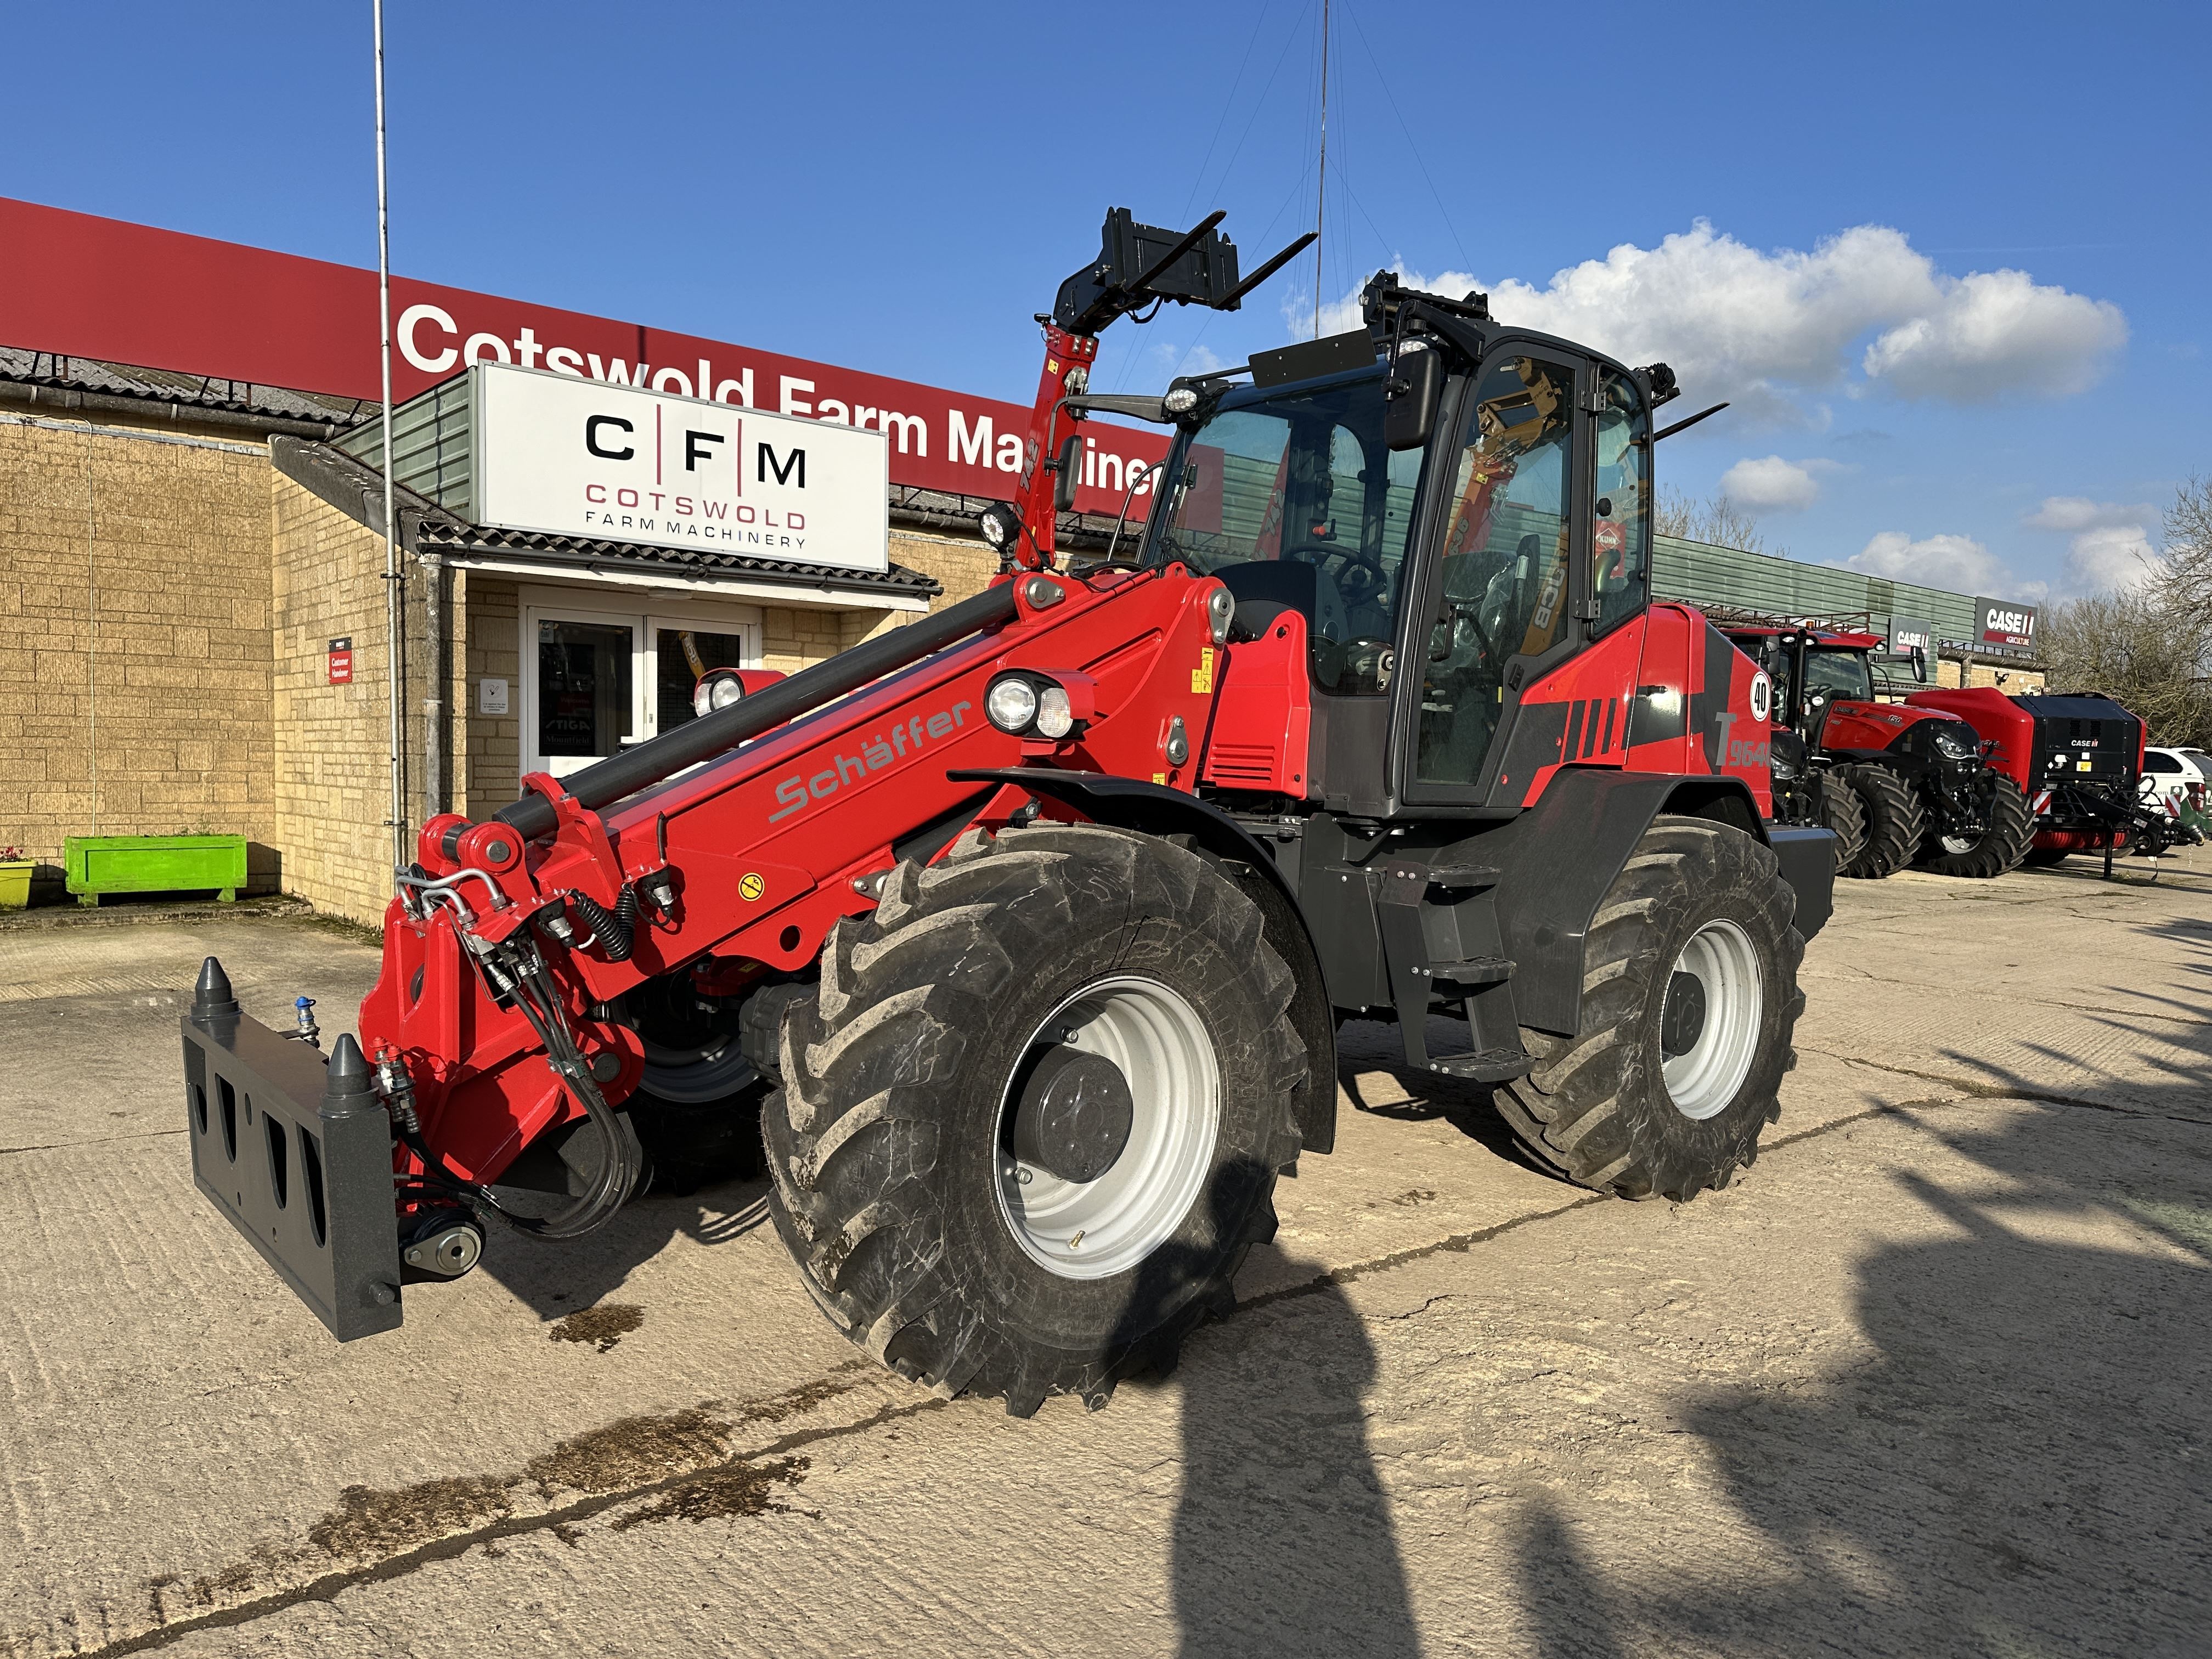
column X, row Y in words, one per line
column 16, row 885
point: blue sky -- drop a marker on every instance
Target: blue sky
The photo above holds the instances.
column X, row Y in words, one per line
column 1946, row 260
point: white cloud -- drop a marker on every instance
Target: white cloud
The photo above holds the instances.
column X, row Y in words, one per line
column 2110, row 546
column 1957, row 562
column 1771, row 485
column 1772, row 332
column 2110, row 557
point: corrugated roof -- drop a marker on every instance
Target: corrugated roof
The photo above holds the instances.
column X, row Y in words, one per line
column 167, row 386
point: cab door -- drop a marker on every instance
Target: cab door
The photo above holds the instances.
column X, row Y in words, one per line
column 1504, row 586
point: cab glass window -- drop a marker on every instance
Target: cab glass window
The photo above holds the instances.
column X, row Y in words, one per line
column 1620, row 528
column 1504, row 560
column 1296, row 501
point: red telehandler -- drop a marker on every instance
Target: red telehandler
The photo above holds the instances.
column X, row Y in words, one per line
column 1028, row 928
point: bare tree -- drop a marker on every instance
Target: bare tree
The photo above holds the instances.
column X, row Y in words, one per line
column 1715, row 520
column 2149, row 645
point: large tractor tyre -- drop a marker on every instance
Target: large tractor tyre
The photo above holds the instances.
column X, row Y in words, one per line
column 2046, row 858
column 1841, row 811
column 1689, row 999
column 1896, row 821
column 1031, row 1122
column 1998, row 849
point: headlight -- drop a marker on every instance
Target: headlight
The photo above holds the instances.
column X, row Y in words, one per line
column 1955, row 742
column 1011, row 703
column 717, row 689
column 1181, row 400
column 1002, row 526
column 1055, row 716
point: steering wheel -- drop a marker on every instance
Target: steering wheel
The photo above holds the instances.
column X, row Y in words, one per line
column 1374, row 580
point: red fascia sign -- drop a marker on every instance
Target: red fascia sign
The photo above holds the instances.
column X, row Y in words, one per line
column 341, row 661
column 89, row 287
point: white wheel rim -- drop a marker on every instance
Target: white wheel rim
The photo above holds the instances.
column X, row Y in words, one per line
column 1704, row 1078
column 1956, row 844
column 1096, row 1229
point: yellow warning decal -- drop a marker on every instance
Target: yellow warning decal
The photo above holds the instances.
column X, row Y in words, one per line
column 1201, row 678
column 1159, row 777
column 751, row 886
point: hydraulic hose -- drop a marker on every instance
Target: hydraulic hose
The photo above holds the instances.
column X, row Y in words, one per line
column 620, row 776
column 614, row 931
column 536, row 998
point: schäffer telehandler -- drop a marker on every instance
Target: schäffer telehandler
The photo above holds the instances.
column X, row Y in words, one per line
column 1036, row 919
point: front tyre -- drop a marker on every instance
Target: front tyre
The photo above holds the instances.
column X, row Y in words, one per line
column 1689, row 999
column 1841, row 811
column 1896, row 822
column 2002, row 846
column 1031, row 1122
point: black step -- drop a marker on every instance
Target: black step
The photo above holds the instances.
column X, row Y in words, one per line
column 1487, row 1066
column 1463, row 875
column 1475, row 971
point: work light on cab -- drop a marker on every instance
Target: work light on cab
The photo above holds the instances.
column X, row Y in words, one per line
column 1002, row 524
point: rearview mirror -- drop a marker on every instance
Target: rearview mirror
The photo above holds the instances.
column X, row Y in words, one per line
column 1920, row 664
column 1416, row 385
column 1071, row 474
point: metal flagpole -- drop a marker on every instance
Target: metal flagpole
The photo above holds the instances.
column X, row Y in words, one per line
column 1321, row 184
column 394, row 583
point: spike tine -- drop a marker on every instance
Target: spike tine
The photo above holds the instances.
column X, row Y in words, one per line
column 1266, row 270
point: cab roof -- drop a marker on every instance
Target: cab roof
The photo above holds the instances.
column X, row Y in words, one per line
column 1820, row 635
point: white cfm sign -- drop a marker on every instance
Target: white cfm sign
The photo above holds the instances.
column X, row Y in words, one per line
column 566, row 456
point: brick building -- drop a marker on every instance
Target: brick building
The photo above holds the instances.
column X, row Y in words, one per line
column 177, row 557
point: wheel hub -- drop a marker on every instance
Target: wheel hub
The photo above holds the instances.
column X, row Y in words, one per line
column 1074, row 1116
column 1107, row 1127
column 1709, row 1023
column 1682, row 1019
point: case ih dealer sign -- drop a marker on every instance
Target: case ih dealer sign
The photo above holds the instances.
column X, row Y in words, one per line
column 606, row 462
column 2004, row 625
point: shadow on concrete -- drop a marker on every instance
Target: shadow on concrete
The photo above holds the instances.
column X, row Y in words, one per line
column 556, row 1280
column 1283, row 1541
column 1367, row 1047
column 2020, row 1467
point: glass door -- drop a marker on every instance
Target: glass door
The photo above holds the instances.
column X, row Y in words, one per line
column 584, row 698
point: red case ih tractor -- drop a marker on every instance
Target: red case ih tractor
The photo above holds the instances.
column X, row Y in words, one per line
column 1028, row 928
column 2080, row 760
column 1898, row 783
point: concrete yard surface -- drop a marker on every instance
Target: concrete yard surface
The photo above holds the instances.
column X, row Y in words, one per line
column 1930, row 1378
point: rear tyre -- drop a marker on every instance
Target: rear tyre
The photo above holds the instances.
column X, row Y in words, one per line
column 1997, row 849
column 1841, row 811
column 1896, row 822
column 1689, row 999
column 1031, row 1122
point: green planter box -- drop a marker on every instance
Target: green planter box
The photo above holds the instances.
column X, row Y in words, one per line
column 16, row 885
column 95, row 865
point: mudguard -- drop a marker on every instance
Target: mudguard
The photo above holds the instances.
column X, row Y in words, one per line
column 1558, row 858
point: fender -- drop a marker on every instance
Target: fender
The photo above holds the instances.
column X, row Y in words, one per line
column 1153, row 809
column 1564, row 851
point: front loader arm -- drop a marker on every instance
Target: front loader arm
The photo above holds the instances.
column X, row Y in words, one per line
column 756, row 854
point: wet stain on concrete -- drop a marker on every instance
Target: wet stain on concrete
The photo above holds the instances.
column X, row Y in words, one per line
column 741, row 1490
column 368, row 1522
column 604, row 1325
column 679, row 1462
column 634, row 1451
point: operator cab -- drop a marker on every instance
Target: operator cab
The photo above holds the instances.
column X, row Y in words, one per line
column 1436, row 577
